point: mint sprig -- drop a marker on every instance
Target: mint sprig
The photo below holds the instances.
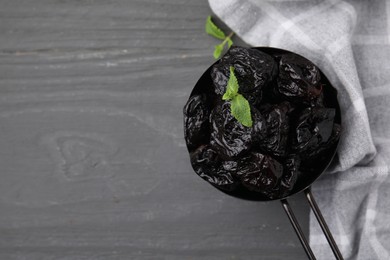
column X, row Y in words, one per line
column 241, row 110
column 232, row 86
column 239, row 106
column 213, row 30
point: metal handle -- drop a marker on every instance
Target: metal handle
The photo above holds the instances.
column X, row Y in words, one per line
column 324, row 226
column 297, row 228
column 321, row 221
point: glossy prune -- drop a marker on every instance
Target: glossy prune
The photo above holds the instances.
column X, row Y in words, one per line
column 206, row 164
column 314, row 129
column 259, row 172
column 196, row 126
column 298, row 80
column 228, row 137
column 324, row 146
column 260, row 129
column 290, row 175
column 277, row 127
column 254, row 71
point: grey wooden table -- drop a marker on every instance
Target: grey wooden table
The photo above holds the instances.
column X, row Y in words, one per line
column 93, row 162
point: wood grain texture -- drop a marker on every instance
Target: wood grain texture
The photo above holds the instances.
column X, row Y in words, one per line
column 93, row 161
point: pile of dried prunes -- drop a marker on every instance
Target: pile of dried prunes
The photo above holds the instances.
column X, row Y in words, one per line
column 292, row 124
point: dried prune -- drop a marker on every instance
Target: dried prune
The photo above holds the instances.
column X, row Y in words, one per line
column 314, row 129
column 228, row 137
column 254, row 70
column 277, row 127
column 334, row 137
column 260, row 130
column 259, row 172
column 206, row 164
column 298, row 80
column 196, row 126
column 290, row 174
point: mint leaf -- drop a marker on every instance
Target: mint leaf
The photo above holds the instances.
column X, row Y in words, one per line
column 241, row 110
column 213, row 30
column 232, row 86
column 230, row 42
column 218, row 50
column 239, row 106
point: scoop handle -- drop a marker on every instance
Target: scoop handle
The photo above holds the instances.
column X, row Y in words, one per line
column 310, row 198
column 294, row 222
column 322, row 222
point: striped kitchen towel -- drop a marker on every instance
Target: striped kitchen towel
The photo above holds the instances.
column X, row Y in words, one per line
column 350, row 42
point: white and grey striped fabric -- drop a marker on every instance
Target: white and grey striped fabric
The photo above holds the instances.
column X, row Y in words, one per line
column 350, row 42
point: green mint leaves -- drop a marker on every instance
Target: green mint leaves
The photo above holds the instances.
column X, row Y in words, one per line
column 241, row 110
column 232, row 86
column 218, row 49
column 239, row 106
column 214, row 31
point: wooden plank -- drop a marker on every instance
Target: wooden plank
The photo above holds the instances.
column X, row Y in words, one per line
column 94, row 165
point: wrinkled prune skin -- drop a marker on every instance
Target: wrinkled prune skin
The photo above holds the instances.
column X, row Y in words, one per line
column 259, row 127
column 290, row 175
column 254, row 71
column 206, row 164
column 277, row 126
column 335, row 136
column 314, row 130
column 259, row 172
column 228, row 137
column 298, row 80
column 196, row 125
